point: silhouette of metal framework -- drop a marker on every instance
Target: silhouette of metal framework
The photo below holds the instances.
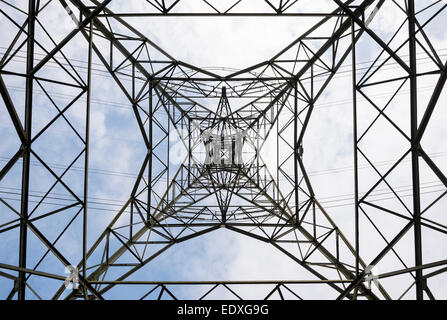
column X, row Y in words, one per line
column 275, row 98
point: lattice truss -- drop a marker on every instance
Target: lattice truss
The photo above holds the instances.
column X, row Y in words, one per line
column 272, row 102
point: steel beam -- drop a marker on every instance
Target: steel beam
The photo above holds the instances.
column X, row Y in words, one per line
column 414, row 150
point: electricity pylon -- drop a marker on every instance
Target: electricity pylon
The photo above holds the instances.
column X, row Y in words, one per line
column 223, row 180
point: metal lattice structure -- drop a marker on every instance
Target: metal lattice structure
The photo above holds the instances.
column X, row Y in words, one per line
column 275, row 99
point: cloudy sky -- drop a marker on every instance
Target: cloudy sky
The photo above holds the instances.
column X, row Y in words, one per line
column 117, row 148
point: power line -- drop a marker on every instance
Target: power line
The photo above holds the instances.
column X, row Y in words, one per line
column 310, row 173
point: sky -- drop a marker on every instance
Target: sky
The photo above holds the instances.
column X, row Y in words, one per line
column 117, row 149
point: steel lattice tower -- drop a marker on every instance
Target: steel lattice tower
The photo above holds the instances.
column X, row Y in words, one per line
column 227, row 116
